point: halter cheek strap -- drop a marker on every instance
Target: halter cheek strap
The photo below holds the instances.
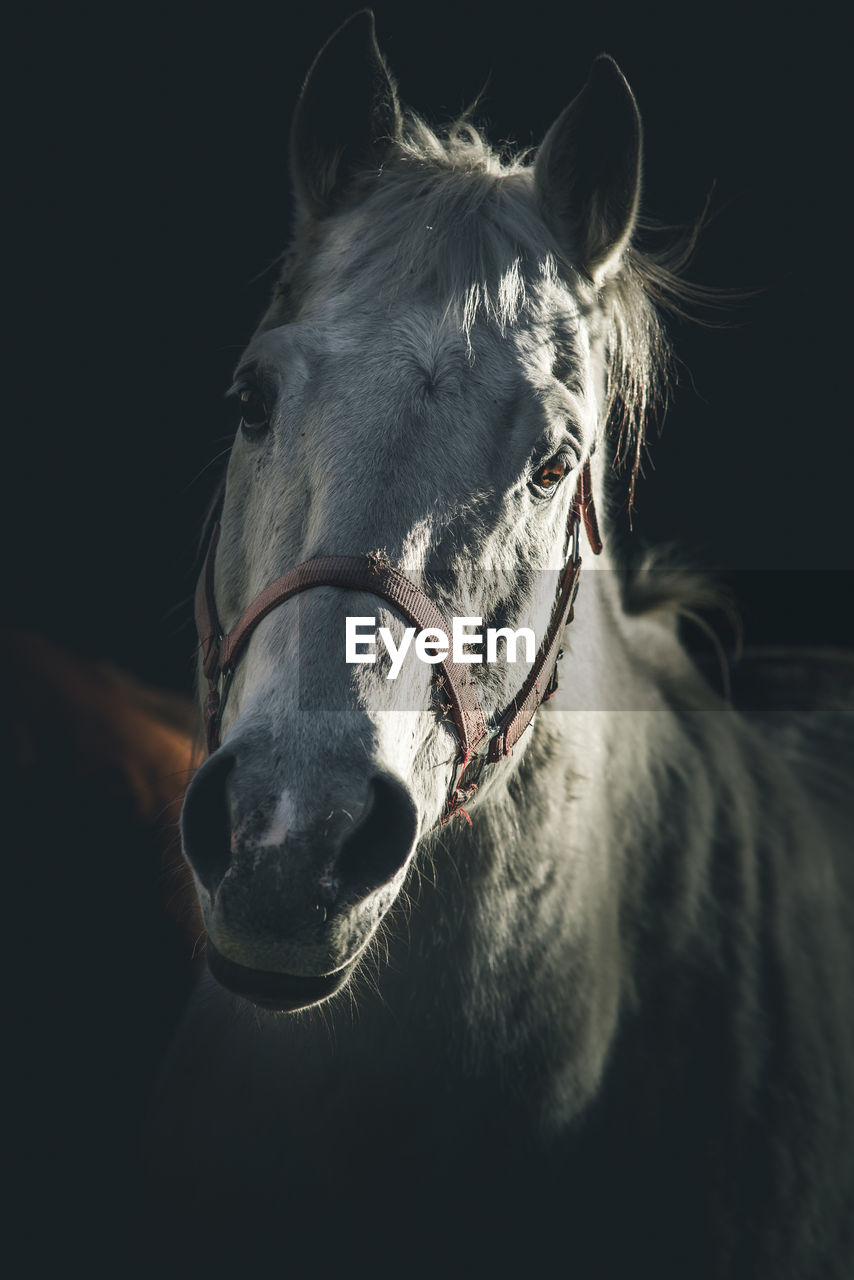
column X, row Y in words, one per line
column 374, row 574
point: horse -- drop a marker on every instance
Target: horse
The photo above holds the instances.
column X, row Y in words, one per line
column 577, row 1000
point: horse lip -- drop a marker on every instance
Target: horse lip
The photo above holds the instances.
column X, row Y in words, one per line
column 281, row 992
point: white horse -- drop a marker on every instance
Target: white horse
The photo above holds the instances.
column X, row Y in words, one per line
column 606, row 1026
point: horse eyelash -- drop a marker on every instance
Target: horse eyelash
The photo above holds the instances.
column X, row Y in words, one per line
column 568, row 450
column 238, row 387
column 253, row 378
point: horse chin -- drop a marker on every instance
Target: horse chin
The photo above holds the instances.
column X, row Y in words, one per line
column 283, row 959
column 276, row 992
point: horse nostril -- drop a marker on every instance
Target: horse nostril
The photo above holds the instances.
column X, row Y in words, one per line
column 380, row 844
column 206, row 821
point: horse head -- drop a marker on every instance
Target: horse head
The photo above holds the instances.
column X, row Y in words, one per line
column 427, row 387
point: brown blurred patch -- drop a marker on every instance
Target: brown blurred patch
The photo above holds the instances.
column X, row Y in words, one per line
column 101, row 928
column 114, row 737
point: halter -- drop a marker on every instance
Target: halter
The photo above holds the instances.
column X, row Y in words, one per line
column 374, row 574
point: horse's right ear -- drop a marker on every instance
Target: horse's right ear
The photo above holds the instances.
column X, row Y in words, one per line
column 346, row 118
column 587, row 172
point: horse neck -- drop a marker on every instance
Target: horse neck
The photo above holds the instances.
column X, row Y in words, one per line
column 539, row 885
column 643, row 818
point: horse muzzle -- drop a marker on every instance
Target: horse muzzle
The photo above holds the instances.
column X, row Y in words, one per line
column 292, row 891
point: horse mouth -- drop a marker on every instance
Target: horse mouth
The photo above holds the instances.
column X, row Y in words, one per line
column 278, row 992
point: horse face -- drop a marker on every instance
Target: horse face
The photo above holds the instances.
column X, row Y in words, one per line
column 428, row 389
column 387, row 435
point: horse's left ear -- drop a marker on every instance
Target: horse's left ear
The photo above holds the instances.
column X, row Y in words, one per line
column 346, row 118
column 587, row 172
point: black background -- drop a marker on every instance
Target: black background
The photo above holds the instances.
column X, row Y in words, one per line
column 150, row 196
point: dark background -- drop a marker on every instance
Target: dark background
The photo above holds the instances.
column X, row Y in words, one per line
column 150, row 189
column 147, row 194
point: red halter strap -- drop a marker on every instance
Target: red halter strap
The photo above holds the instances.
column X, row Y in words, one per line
column 372, row 573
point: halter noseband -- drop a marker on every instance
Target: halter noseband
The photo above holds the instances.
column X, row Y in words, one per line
column 372, row 573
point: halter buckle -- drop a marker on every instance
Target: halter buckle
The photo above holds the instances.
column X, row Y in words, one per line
column 215, row 702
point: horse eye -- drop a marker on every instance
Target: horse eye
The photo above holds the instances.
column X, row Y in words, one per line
column 550, row 475
column 254, row 414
